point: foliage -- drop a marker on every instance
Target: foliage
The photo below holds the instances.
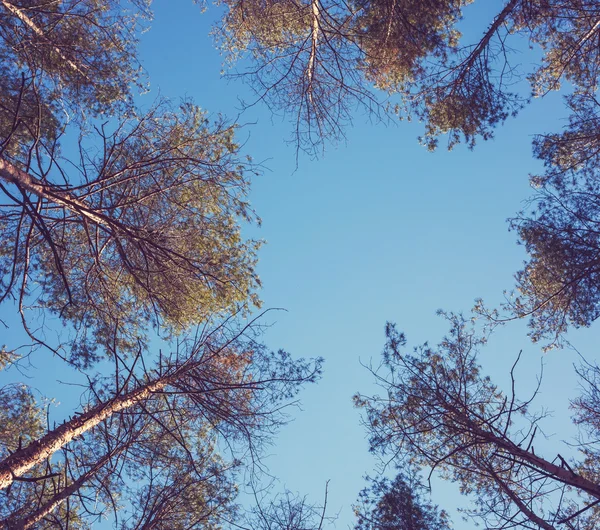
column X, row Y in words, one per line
column 397, row 504
column 325, row 52
column 20, row 417
column 74, row 57
column 142, row 226
column 163, row 245
column 316, row 61
column 559, row 283
column 440, row 413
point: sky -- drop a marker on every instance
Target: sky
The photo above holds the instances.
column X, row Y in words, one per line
column 377, row 229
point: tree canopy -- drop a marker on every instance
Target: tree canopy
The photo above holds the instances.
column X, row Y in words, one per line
column 328, row 54
column 125, row 226
column 142, row 225
column 132, row 235
column 398, row 504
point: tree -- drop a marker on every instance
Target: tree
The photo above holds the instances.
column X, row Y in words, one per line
column 397, row 504
column 22, row 423
column 141, row 227
column 327, row 54
column 148, row 234
column 160, row 427
column 442, row 414
column 302, row 62
column 558, row 284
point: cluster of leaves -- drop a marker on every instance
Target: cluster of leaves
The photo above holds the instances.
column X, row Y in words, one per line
column 559, row 283
column 75, row 57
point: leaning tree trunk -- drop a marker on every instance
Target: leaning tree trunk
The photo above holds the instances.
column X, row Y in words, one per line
column 520, row 456
column 21, row 461
column 26, row 182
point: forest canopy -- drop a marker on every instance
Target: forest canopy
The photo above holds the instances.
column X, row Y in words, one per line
column 125, row 259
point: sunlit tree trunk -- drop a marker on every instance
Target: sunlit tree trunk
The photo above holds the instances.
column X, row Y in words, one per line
column 21, row 461
column 27, row 182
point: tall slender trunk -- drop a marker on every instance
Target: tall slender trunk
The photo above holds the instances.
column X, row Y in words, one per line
column 310, row 71
column 21, row 461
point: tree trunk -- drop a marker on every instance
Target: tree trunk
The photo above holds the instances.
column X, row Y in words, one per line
column 310, row 71
column 23, row 460
column 20, row 14
column 529, row 458
column 27, row 182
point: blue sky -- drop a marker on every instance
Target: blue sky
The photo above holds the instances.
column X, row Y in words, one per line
column 377, row 229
